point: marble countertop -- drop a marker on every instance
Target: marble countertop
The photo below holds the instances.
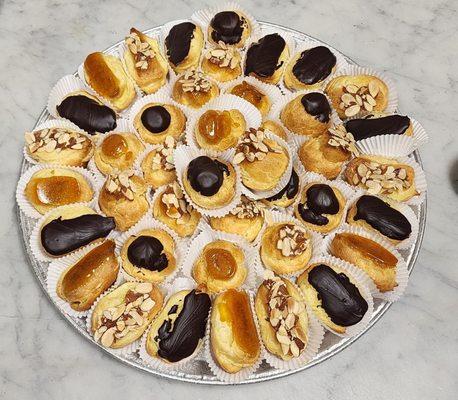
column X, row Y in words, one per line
column 411, row 353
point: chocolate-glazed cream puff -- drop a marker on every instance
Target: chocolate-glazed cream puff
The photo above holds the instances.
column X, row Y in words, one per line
column 379, row 124
column 229, row 27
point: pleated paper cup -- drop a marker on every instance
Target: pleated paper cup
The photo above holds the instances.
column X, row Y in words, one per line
column 24, row 204
column 365, row 286
column 402, row 273
column 390, row 145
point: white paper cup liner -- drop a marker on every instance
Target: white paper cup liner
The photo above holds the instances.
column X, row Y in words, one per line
column 365, row 286
column 225, row 102
column 208, row 236
column 183, row 155
column 57, row 267
column 402, row 274
column 389, row 145
column 24, row 204
column 419, row 133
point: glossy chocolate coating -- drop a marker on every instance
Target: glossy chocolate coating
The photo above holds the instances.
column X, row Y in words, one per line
column 206, row 175
column 317, row 104
column 311, row 217
column 88, row 114
column 146, row 252
column 227, row 27
column 60, row 237
column 341, row 300
column 290, row 190
column 262, row 57
column 178, row 42
column 179, row 339
column 382, row 217
column 321, row 199
column 368, row 127
column 314, row 65
column 156, row 119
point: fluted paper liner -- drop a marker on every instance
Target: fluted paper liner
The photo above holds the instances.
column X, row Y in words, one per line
column 390, row 145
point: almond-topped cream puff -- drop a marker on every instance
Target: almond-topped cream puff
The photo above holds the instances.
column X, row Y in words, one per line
column 222, row 63
column 193, row 89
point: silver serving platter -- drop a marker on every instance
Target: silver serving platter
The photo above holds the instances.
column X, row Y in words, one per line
column 198, row 371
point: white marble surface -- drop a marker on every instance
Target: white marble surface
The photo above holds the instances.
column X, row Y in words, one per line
column 411, row 353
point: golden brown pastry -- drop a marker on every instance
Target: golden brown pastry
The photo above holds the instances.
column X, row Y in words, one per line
column 230, row 27
column 352, row 95
column 321, row 207
column 121, row 316
column 384, row 176
column 81, row 283
column 193, row 89
column 106, row 75
column 378, row 262
column 210, row 183
column 285, row 197
column 220, row 266
column 233, row 335
column 275, row 128
column 285, row 247
column 117, row 152
column 156, row 121
column 282, row 318
column 123, row 196
column 145, row 62
column 222, row 63
column 172, row 208
column 219, row 130
column 49, row 188
column 61, row 146
column 333, row 295
column 307, row 114
column 149, row 255
column 262, row 161
column 253, row 95
column 245, row 220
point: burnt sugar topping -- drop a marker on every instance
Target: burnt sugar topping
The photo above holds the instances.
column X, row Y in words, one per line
column 227, row 27
column 156, row 119
column 147, row 252
column 317, row 104
column 314, row 65
column 178, row 41
column 321, row 199
column 206, row 175
column 371, row 126
column 263, row 57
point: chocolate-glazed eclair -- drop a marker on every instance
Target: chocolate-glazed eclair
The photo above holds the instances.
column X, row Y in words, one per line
column 87, row 112
column 287, row 195
column 177, row 332
column 333, row 295
column 378, row 124
column 266, row 59
column 308, row 69
column 375, row 214
column 229, row 27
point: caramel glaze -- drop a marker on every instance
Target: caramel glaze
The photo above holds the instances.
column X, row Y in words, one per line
column 103, row 81
column 317, row 105
column 340, row 299
column 248, row 92
column 227, row 27
column 215, row 125
column 179, row 339
column 147, row 252
column 206, row 175
column 156, row 119
column 235, row 310
column 290, row 190
column 382, row 217
column 60, row 237
column 88, row 114
column 368, row 127
column 321, row 199
column 220, row 264
column 314, row 65
column 178, row 42
column 56, row 190
column 262, row 57
column 114, row 146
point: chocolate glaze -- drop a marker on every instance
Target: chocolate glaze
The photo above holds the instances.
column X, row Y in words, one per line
column 262, row 57
column 179, row 339
column 368, row 127
column 156, row 119
column 314, row 65
column 290, row 190
column 147, row 252
column 311, row 217
column 341, row 300
column 382, row 217
column 321, row 199
column 60, row 237
column 227, row 27
column 88, row 114
column 317, row 104
column 178, row 42
column 206, row 175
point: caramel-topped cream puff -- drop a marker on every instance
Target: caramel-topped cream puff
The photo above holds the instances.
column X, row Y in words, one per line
column 307, row 114
column 229, row 27
column 145, row 62
column 309, row 68
column 106, row 75
column 266, row 58
column 376, row 124
column 222, row 63
column 183, row 45
column 117, row 152
column 157, row 166
column 253, row 95
column 193, row 89
column 360, row 94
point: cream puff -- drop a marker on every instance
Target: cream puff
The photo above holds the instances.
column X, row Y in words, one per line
column 222, row 63
column 230, row 27
column 275, row 128
column 376, row 124
column 193, row 89
column 285, row 197
column 158, row 166
column 253, row 95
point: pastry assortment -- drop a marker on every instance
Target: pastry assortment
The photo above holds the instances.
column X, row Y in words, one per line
column 120, row 194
